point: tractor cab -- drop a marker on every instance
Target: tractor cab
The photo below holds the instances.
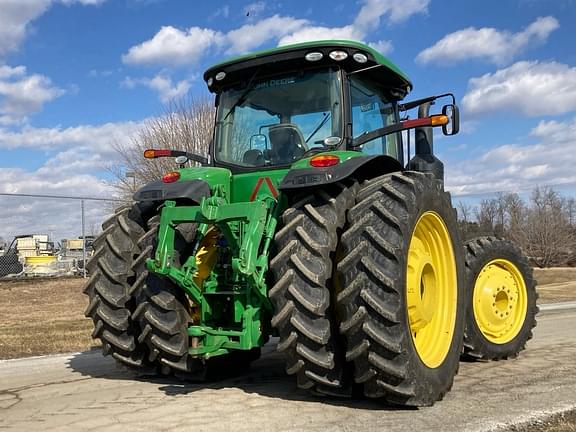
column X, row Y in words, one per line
column 277, row 107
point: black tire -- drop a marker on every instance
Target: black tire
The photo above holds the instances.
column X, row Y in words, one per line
column 480, row 252
column 162, row 309
column 110, row 291
column 373, row 304
column 301, row 268
column 163, row 312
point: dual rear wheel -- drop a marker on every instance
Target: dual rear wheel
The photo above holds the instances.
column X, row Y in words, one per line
column 374, row 291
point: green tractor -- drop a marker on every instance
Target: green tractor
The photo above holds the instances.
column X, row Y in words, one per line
column 310, row 221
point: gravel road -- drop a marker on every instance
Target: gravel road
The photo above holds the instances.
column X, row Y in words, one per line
column 85, row 391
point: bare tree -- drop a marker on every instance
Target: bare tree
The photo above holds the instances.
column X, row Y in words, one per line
column 486, row 215
column 516, row 210
column 464, row 211
column 571, row 209
column 550, row 238
column 464, row 216
column 184, row 125
column 501, row 213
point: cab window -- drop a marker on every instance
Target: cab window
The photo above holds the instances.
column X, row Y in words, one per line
column 371, row 110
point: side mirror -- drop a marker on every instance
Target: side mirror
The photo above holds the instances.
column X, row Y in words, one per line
column 453, row 113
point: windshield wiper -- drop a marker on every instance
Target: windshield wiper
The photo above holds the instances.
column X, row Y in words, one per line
column 322, row 123
column 242, row 97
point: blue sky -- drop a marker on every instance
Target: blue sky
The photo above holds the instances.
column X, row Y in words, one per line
column 76, row 76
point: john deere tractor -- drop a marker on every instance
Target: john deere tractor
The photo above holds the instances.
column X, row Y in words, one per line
column 314, row 220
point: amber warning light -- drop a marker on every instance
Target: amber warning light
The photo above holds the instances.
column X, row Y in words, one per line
column 153, row 153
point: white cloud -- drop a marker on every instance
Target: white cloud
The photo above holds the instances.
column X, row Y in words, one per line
column 529, row 88
column 223, row 12
column 14, row 18
column 561, row 133
column 83, row 2
column 175, row 47
column 22, row 95
column 11, row 72
column 161, row 84
column 16, row 15
column 79, row 156
column 172, row 46
column 383, row 46
column 322, row 33
column 367, row 20
column 397, row 11
column 251, row 36
column 57, row 217
column 95, row 138
column 515, row 167
column 487, row 43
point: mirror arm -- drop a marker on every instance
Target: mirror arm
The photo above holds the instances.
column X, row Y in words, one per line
column 413, row 104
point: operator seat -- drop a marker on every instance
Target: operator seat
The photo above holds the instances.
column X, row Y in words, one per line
column 286, row 143
column 253, row 157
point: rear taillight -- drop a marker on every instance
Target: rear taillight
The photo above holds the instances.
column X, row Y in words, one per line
column 171, row 177
column 323, row 161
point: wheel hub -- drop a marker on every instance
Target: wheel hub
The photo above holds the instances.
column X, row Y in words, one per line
column 421, row 287
column 499, row 301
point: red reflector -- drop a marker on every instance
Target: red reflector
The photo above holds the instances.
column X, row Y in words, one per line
column 324, row 161
column 152, row 153
column 171, row 177
column 426, row 121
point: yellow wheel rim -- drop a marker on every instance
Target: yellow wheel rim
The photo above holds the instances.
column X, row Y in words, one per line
column 500, row 301
column 431, row 289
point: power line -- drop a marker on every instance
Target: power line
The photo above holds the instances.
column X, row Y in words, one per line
column 62, row 197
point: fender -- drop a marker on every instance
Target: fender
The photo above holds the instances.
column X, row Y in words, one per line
column 190, row 190
column 361, row 167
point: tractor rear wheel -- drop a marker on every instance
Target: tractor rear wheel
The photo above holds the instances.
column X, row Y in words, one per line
column 403, row 298
column 302, row 268
column 163, row 308
column 501, row 299
column 111, row 291
column 164, row 313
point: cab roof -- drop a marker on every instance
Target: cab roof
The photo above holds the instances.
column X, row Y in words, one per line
column 289, row 57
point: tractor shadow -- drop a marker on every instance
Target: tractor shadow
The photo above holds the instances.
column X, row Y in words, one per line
column 265, row 377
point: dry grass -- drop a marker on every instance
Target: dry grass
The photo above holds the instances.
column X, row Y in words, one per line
column 47, row 316
column 556, row 284
column 43, row 317
column 555, row 275
column 563, row 422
